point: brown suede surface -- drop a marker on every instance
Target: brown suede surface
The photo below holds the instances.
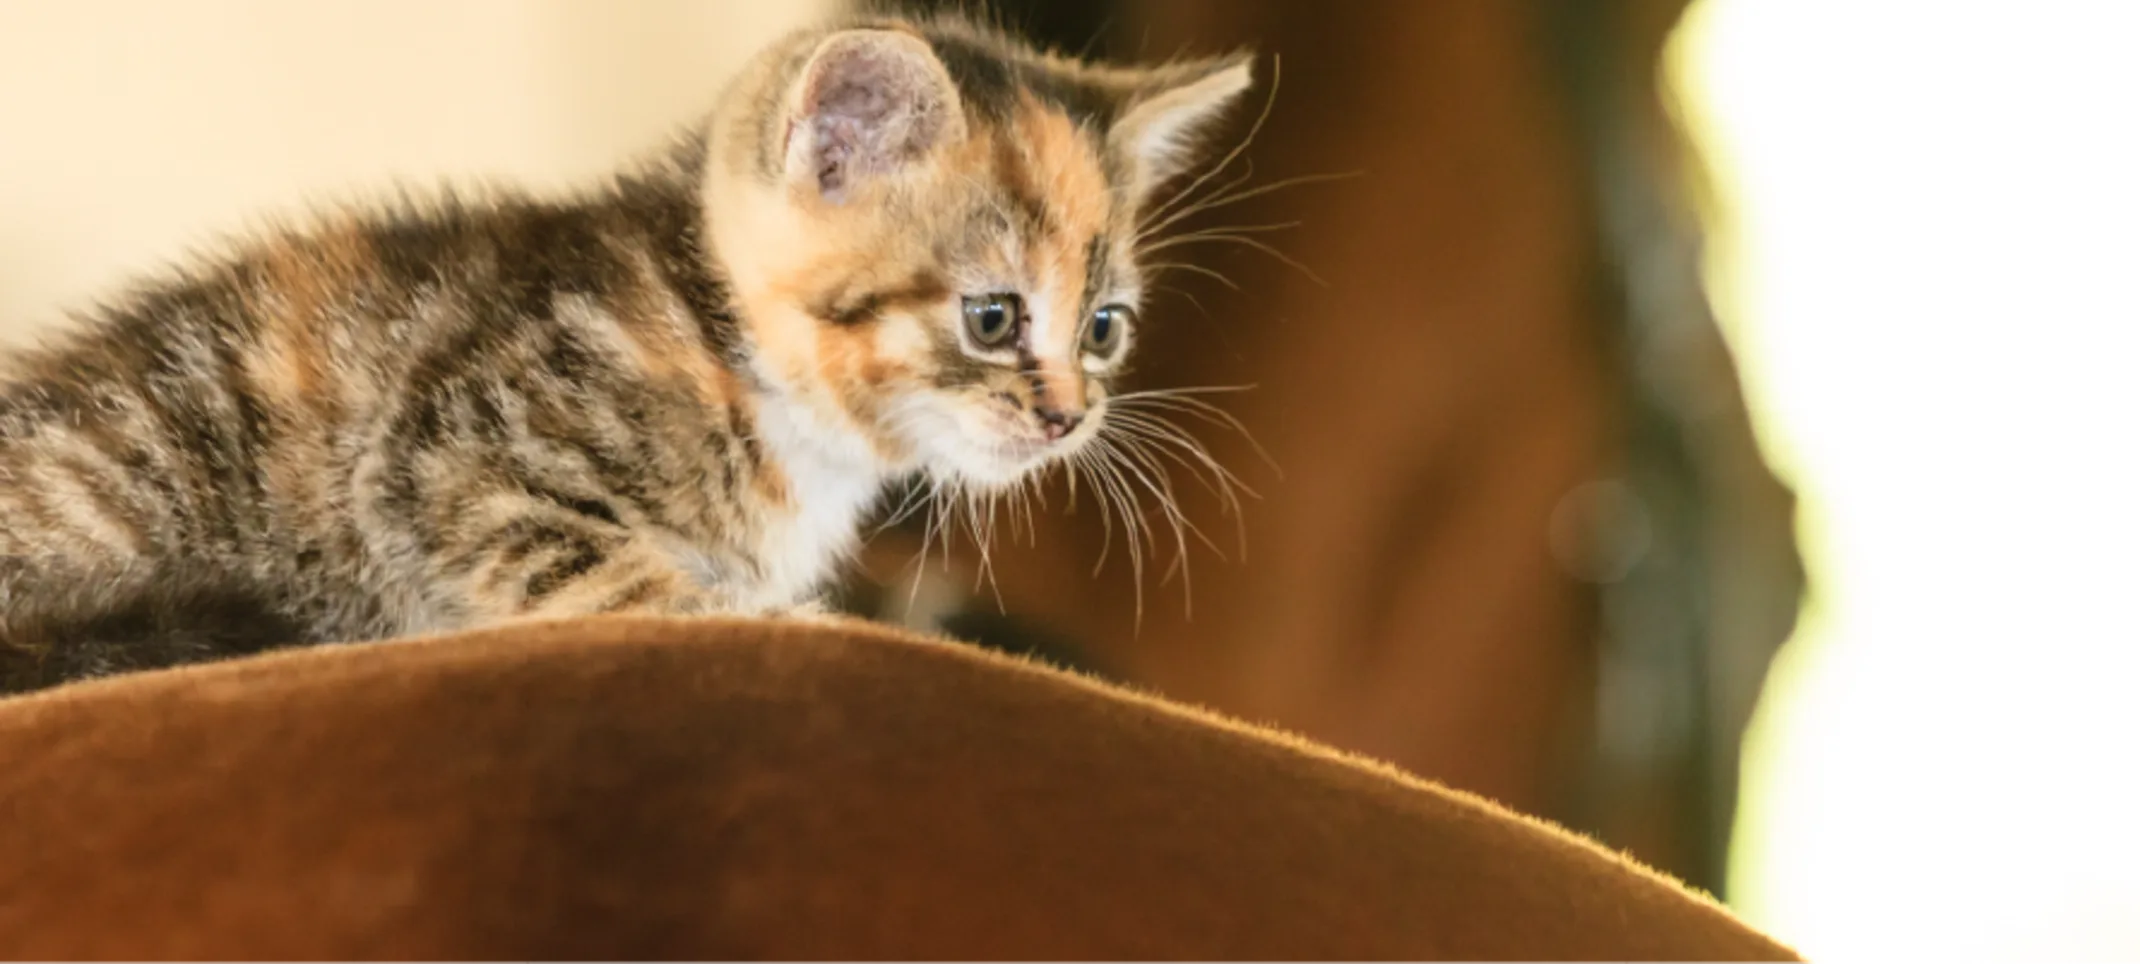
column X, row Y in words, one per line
column 638, row 788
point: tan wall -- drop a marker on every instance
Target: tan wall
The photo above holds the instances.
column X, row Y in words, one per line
column 130, row 129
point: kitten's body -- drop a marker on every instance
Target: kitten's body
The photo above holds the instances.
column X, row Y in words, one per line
column 347, row 422
column 677, row 394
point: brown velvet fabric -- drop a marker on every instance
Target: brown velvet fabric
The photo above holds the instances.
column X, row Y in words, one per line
column 634, row 788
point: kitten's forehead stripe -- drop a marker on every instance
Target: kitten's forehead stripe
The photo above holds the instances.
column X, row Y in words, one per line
column 1064, row 167
column 1028, row 199
column 1096, row 271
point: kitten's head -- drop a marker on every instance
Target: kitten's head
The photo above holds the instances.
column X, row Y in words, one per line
column 931, row 231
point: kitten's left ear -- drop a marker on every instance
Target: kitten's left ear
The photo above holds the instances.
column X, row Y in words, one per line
column 1159, row 128
column 868, row 103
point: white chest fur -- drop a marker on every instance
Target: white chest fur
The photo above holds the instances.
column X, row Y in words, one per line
column 832, row 479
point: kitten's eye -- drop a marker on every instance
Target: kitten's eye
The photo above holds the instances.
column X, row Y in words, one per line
column 1109, row 324
column 993, row 319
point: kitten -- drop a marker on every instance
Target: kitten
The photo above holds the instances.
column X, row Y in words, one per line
column 895, row 248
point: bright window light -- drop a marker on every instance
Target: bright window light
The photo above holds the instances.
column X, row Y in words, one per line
column 1928, row 258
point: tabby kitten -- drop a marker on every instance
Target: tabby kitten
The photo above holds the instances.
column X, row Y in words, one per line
column 895, row 248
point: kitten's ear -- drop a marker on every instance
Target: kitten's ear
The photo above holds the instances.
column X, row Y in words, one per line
column 1160, row 126
column 869, row 102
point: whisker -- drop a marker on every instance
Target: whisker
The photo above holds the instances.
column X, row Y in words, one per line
column 1184, row 401
column 1155, row 476
column 1217, row 201
column 1221, row 486
column 1188, row 390
column 981, row 519
column 1080, row 463
column 1215, row 480
column 1125, row 502
column 1273, row 228
column 1174, row 436
column 1192, row 456
column 1153, row 222
column 920, row 562
column 906, row 509
column 1195, row 269
column 1287, row 259
column 1186, row 296
column 1146, row 470
column 1021, row 508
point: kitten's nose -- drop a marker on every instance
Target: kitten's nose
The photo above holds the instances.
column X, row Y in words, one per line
column 1056, row 422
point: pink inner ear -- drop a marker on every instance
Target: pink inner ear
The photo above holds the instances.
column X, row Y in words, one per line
column 871, row 107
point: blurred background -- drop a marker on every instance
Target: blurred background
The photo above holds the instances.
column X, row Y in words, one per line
column 1707, row 425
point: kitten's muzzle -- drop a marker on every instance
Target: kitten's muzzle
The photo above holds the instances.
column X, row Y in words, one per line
column 1057, row 423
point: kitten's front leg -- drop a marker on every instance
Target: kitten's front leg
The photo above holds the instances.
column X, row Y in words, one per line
column 539, row 566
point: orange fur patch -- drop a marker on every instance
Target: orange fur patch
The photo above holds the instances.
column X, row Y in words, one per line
column 1064, row 167
column 663, row 340
column 302, row 279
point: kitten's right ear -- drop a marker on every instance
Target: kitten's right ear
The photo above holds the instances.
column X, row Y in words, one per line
column 868, row 103
column 1169, row 108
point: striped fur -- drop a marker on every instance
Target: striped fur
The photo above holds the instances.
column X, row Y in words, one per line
column 679, row 393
